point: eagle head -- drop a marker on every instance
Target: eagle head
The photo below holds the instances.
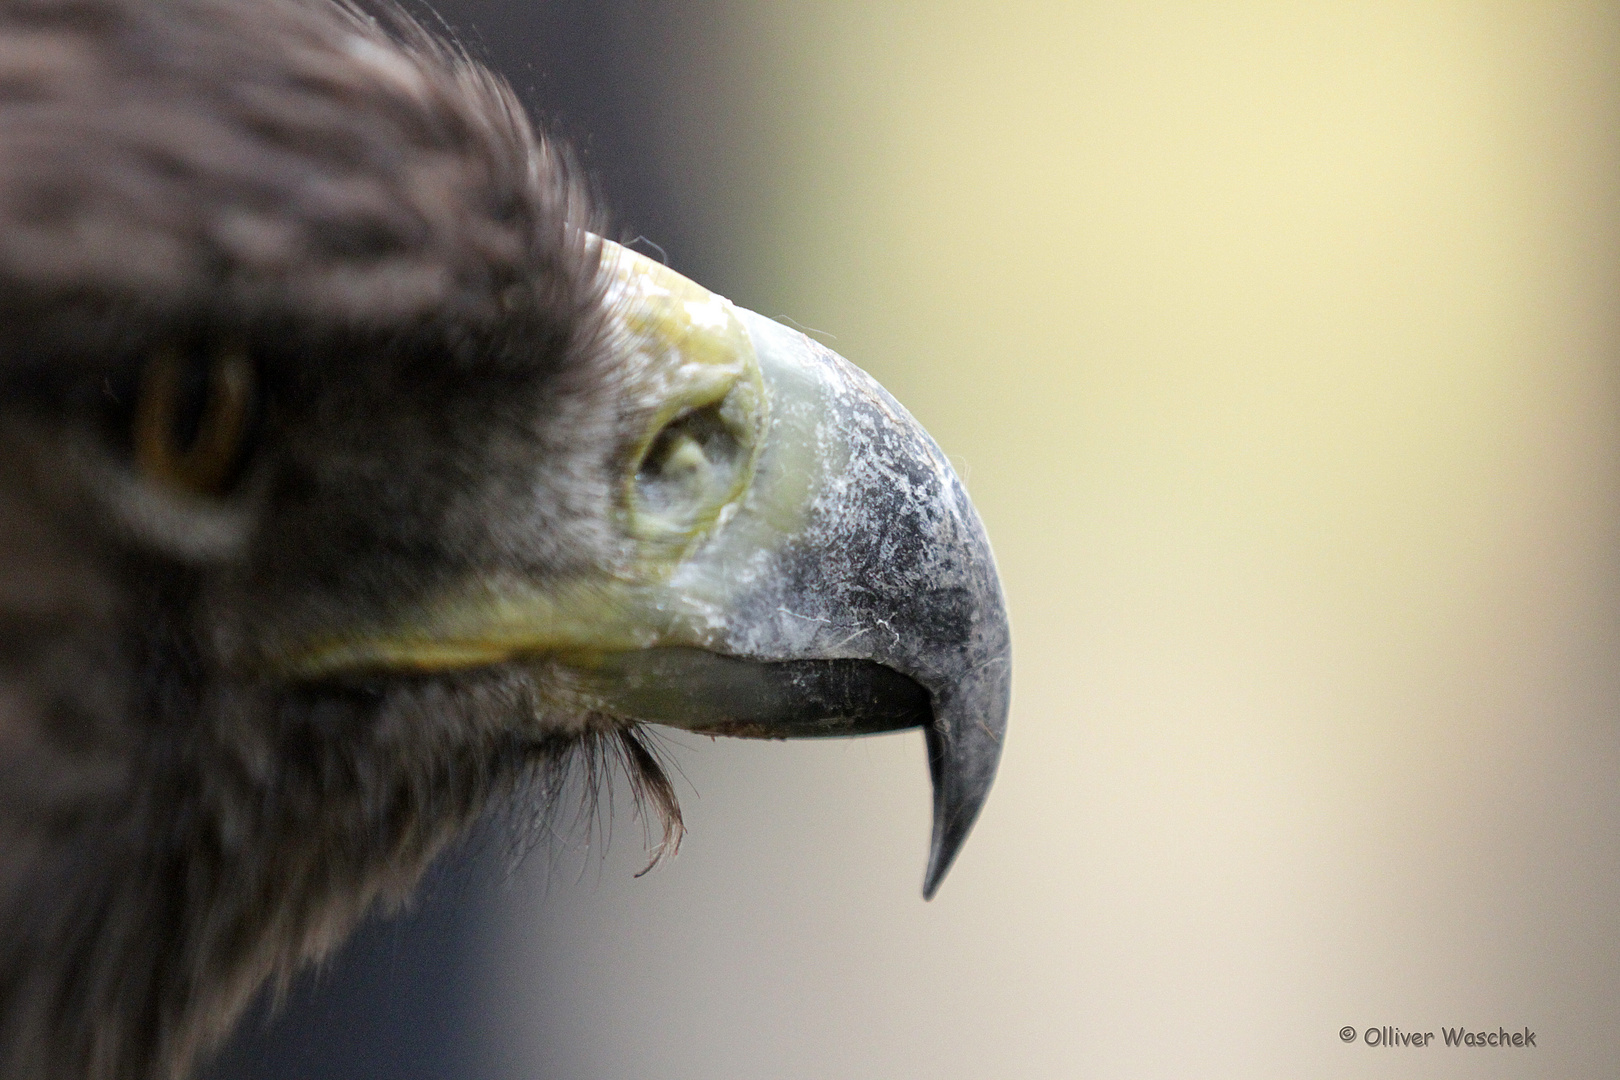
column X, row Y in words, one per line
column 351, row 480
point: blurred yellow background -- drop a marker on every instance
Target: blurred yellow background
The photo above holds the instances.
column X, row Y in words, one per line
column 1277, row 344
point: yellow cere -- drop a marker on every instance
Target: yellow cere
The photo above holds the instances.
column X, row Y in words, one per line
column 692, row 361
column 686, row 363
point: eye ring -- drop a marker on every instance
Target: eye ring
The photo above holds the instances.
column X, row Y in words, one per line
column 191, row 440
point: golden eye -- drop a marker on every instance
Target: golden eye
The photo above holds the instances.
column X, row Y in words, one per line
column 192, row 418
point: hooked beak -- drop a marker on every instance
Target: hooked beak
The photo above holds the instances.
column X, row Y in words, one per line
column 878, row 609
column 819, row 568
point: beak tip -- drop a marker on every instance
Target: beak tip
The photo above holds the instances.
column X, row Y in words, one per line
column 962, row 760
column 939, row 864
column 951, row 827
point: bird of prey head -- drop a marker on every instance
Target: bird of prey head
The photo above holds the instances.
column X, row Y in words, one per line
column 348, row 478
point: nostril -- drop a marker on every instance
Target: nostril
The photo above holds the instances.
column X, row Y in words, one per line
column 685, row 457
column 692, row 463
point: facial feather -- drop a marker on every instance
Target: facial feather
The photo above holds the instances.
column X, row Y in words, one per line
column 367, row 215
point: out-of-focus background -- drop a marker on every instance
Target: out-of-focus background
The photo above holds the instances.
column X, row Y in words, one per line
column 1279, row 346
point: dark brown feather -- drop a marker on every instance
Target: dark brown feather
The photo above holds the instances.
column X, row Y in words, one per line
column 368, row 215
